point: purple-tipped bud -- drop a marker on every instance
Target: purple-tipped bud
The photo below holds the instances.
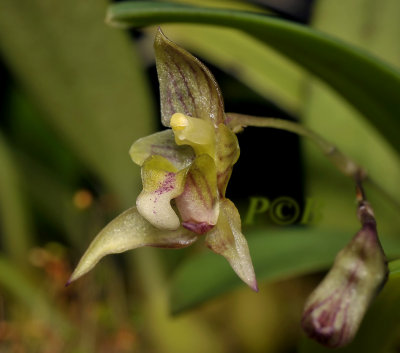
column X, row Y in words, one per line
column 335, row 309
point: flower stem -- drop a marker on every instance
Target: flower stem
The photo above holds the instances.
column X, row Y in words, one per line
column 342, row 162
column 346, row 165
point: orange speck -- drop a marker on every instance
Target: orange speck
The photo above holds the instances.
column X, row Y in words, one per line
column 83, row 199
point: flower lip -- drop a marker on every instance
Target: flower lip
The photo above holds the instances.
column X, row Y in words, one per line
column 198, row 228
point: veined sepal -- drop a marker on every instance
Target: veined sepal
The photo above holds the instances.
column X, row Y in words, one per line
column 186, row 84
column 226, row 239
column 128, row 231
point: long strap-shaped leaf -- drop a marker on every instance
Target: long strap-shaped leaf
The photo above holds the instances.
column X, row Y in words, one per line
column 369, row 84
column 280, row 254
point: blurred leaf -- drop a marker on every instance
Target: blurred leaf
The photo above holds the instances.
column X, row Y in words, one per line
column 85, row 77
column 394, row 267
column 53, row 170
column 375, row 29
column 187, row 333
column 15, row 225
column 29, row 132
column 45, row 191
column 226, row 4
column 261, row 68
column 367, row 83
column 276, row 255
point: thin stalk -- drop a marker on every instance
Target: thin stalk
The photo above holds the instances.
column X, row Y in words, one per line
column 342, row 162
column 346, row 165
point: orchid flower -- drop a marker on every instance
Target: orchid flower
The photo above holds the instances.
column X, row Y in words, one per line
column 185, row 171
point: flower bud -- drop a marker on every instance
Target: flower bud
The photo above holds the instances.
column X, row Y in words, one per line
column 335, row 309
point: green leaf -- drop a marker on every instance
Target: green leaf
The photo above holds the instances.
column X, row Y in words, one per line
column 375, row 30
column 366, row 82
column 15, row 227
column 276, row 255
column 86, row 80
column 394, row 268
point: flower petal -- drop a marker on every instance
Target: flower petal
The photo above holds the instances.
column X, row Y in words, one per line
column 186, row 85
column 161, row 183
column 161, row 144
column 128, row 231
column 227, row 240
column 198, row 205
column 227, row 154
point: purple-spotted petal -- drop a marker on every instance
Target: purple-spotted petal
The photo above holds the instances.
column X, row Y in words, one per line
column 186, row 85
column 162, row 182
column 198, row 204
column 226, row 239
column 129, row 231
column 161, row 144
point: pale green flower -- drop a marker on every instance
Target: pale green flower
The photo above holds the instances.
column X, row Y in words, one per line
column 185, row 172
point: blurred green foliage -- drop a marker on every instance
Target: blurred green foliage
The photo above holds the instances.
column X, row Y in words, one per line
column 76, row 96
